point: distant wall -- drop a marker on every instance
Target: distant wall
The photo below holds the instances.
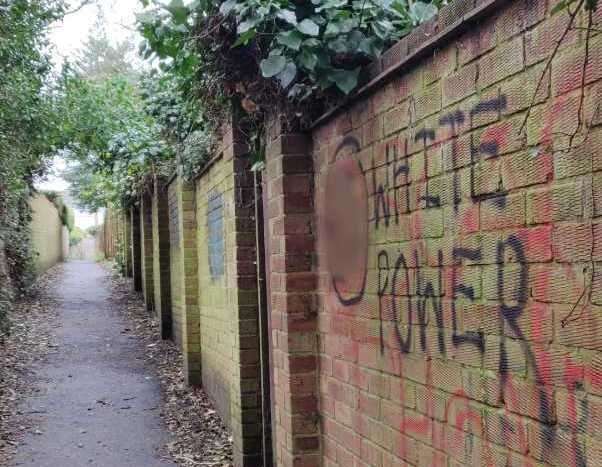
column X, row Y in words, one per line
column 47, row 233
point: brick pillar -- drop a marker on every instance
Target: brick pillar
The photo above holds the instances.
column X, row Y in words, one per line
column 246, row 400
column 126, row 243
column 146, row 236
column 136, row 248
column 162, row 282
column 292, row 285
column 188, row 281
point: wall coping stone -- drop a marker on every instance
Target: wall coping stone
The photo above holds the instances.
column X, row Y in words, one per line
column 451, row 21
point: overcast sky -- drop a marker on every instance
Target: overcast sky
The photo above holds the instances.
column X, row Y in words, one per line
column 67, row 38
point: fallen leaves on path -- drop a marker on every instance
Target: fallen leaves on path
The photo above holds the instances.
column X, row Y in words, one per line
column 199, row 435
column 25, row 347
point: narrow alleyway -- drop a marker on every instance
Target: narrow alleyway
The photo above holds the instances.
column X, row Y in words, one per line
column 98, row 403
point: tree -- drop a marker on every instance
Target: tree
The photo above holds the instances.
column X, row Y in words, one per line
column 27, row 126
column 99, row 58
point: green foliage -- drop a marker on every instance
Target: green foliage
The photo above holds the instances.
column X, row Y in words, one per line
column 262, row 51
column 76, row 236
column 100, row 59
column 181, row 122
column 323, row 43
column 120, row 128
column 109, row 139
column 27, row 127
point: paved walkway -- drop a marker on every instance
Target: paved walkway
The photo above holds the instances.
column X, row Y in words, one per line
column 98, row 405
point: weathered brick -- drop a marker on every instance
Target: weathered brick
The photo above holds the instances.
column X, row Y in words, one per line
column 476, row 42
column 541, row 41
column 428, row 101
column 559, row 203
column 567, row 68
column 519, row 92
column 573, row 242
column 460, row 84
column 503, row 212
column 526, row 168
column 505, row 60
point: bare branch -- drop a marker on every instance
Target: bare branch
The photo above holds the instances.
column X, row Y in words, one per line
column 80, row 6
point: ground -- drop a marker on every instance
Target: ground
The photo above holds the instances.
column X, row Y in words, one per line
column 100, row 396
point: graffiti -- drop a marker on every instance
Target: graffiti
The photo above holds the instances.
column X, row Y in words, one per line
column 346, row 229
column 422, row 294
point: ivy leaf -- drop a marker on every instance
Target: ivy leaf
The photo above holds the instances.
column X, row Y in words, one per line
column 308, row 27
column 385, row 4
column 247, row 24
column 345, row 80
column 272, row 65
column 287, row 75
column 339, row 45
column 288, row 16
column 421, row 12
column 382, row 29
column 369, row 47
column 178, row 11
column 245, row 37
column 308, row 59
column 332, row 29
column 291, row 39
column 226, row 7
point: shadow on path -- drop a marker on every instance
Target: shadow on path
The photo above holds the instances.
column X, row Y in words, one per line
column 98, row 404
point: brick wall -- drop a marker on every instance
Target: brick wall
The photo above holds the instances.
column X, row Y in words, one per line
column 432, row 257
column 146, row 243
column 126, row 242
column 228, row 294
column 174, row 262
column 161, row 260
column 136, row 247
column 457, row 253
column 183, row 275
column 290, row 258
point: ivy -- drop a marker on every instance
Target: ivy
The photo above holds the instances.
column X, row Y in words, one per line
column 299, row 53
column 323, row 43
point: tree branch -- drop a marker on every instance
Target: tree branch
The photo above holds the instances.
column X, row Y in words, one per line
column 80, row 6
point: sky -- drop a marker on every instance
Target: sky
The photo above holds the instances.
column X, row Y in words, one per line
column 67, row 38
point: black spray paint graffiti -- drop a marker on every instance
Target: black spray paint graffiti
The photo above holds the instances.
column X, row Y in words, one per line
column 392, row 271
column 347, row 226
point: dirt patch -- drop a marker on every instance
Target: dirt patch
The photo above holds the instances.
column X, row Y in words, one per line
column 28, row 343
column 199, row 435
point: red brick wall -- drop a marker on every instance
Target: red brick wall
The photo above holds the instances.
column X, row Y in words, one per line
column 457, row 254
